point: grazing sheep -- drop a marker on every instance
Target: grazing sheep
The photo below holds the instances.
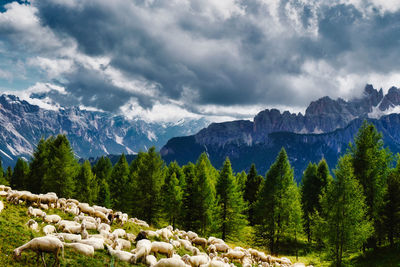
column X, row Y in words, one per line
column 33, row 225
column 150, row 260
column 195, row 261
column 1, row 206
column 211, row 249
column 120, row 244
column 42, row 244
column 104, row 226
column 65, row 223
column 36, row 212
column 85, row 208
column 200, row 241
column 130, row 237
column 214, row 240
column 143, row 248
column 44, row 206
column 171, row 262
column 165, row 234
column 53, row 218
column 69, row 237
column 221, row 247
column 139, row 222
column 81, row 218
column 119, row 232
column 215, row 263
column 84, row 249
column 191, row 235
column 101, row 216
column 121, row 255
column 163, row 248
column 84, row 232
column 151, row 234
column 235, row 255
column 96, row 243
column 89, row 225
column 175, row 243
column 49, row 198
column 49, row 229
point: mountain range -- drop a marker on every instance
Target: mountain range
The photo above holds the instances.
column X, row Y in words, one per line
column 91, row 133
column 324, row 131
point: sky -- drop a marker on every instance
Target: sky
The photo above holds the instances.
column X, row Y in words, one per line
column 220, row 59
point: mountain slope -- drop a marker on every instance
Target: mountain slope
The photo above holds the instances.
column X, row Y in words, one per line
column 324, row 131
column 91, row 133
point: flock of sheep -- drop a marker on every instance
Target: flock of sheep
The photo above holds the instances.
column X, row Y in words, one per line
column 61, row 233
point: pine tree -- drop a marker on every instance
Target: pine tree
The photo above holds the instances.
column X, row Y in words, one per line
column 86, row 187
column 63, row 167
column 231, row 203
column 343, row 225
column 3, row 180
column 188, row 205
column 119, row 185
column 241, row 181
column 252, row 187
column 172, row 198
column 204, row 196
column 104, row 196
column 391, row 211
column 39, row 165
column 20, row 175
column 315, row 180
column 8, row 174
column 102, row 171
column 371, row 165
column 277, row 206
column 147, row 173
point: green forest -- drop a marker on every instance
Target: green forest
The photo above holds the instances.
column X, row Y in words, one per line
column 353, row 209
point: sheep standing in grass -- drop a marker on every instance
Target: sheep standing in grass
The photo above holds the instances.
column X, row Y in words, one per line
column 53, row 218
column 121, row 255
column 96, row 243
column 171, row 262
column 36, row 212
column 69, row 237
column 143, row 248
column 163, row 248
column 195, row 261
column 200, row 242
column 83, row 249
column 49, row 229
column 42, row 244
column 33, row 225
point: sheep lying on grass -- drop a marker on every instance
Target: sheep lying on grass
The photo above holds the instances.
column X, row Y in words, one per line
column 49, row 244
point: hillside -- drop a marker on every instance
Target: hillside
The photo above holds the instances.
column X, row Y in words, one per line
column 14, row 233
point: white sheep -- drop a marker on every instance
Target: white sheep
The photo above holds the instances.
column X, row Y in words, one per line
column 143, row 248
column 175, row 243
column 53, row 218
column 42, row 244
column 163, row 248
column 121, row 255
column 215, row 263
column 66, row 223
column 36, row 212
column 69, row 237
column 33, row 225
column 104, row 226
column 235, row 255
column 195, row 261
column 120, row 244
column 119, row 232
column 165, row 233
column 81, row 218
column 84, row 249
column 102, row 216
column 49, row 229
column 191, row 235
column 170, row 262
column 96, row 243
column 150, row 260
column 221, row 247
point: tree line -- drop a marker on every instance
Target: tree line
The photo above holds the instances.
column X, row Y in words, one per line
column 357, row 207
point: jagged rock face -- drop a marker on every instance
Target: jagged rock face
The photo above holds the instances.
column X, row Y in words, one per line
column 91, row 133
column 322, row 116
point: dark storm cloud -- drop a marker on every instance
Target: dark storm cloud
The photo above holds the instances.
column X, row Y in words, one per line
column 243, row 53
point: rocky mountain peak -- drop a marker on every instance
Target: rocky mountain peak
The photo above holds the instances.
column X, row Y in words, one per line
column 14, row 104
column 391, row 99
